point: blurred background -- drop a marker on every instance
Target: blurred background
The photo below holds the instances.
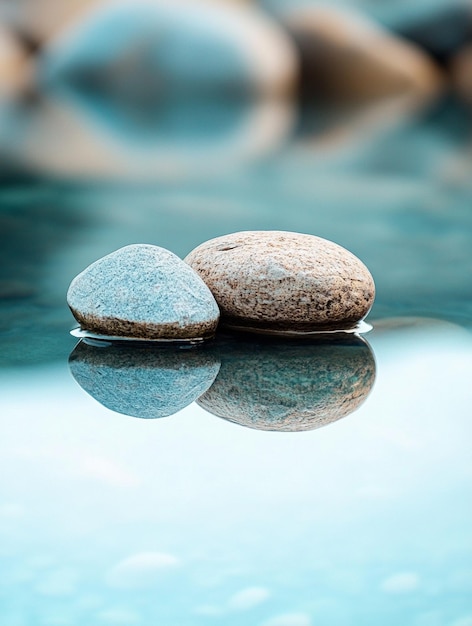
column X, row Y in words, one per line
column 174, row 121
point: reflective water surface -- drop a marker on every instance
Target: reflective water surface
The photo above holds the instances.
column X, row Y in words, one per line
column 193, row 519
column 278, row 482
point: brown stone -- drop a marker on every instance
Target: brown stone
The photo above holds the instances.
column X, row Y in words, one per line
column 283, row 281
column 461, row 69
column 14, row 63
column 345, row 55
column 39, row 20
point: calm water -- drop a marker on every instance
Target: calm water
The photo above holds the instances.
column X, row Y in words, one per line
column 196, row 518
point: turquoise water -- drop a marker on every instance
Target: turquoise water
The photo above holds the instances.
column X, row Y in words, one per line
column 194, row 518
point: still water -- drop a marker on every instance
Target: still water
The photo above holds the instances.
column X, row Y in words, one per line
column 216, row 512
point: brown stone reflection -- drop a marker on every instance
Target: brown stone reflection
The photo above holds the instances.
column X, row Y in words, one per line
column 284, row 385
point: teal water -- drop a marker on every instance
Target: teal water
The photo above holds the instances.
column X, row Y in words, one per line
column 194, row 518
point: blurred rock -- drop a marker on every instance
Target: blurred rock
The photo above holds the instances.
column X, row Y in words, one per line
column 389, row 327
column 38, row 20
column 155, row 89
column 141, row 50
column 277, row 281
column 15, row 69
column 461, row 70
column 140, row 381
column 286, row 386
column 346, row 56
column 440, row 32
column 145, row 292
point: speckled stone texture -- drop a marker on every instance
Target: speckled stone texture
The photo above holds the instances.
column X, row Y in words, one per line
column 286, row 386
column 143, row 382
column 143, row 291
column 283, row 281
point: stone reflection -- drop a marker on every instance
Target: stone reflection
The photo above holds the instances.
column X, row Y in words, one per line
column 181, row 140
column 284, row 385
column 264, row 383
column 145, row 381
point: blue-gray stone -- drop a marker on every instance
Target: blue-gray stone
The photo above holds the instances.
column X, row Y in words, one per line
column 143, row 291
column 144, row 49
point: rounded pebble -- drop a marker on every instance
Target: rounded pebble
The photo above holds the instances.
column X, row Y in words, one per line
column 277, row 281
column 286, row 386
column 143, row 382
column 143, row 291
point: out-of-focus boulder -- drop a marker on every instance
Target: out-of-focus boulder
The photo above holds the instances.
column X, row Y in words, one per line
column 461, row 69
column 14, row 62
column 156, row 89
column 344, row 55
column 38, row 20
column 143, row 49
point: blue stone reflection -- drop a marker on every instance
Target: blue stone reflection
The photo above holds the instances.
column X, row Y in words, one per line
column 143, row 381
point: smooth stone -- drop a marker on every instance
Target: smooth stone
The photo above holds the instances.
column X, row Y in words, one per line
column 461, row 71
column 286, row 386
column 143, row 291
column 143, row 382
column 284, row 281
column 346, row 55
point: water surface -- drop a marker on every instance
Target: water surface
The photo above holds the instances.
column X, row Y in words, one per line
column 198, row 516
